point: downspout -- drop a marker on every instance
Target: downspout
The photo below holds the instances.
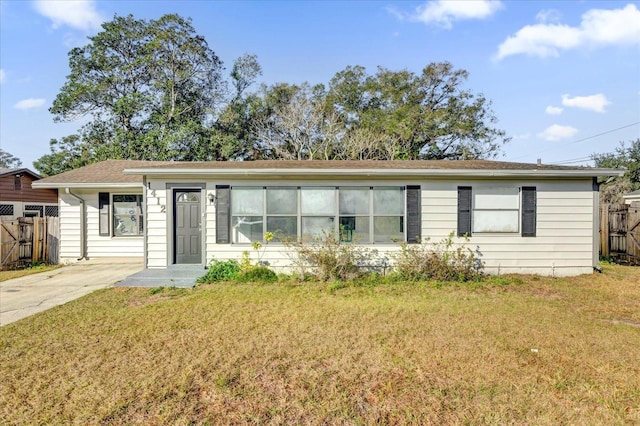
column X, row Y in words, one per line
column 83, row 225
column 595, row 186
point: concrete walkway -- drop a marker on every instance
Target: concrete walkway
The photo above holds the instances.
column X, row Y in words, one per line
column 174, row 276
column 25, row 296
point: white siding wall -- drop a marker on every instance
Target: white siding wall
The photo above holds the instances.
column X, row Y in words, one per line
column 97, row 246
column 70, row 245
column 563, row 244
column 156, row 225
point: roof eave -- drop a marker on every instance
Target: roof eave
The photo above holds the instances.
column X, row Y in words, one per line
column 375, row 172
column 45, row 185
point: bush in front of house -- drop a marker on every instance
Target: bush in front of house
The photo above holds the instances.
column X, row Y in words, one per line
column 328, row 259
column 219, row 270
column 257, row 274
column 440, row 261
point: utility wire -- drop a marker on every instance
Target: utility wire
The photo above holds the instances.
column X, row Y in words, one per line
column 582, row 140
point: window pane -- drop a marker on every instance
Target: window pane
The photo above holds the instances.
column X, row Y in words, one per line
column 318, row 201
column 282, row 200
column 127, row 215
column 496, row 198
column 126, row 199
column 283, row 227
column 188, row 197
column 247, row 229
column 354, row 200
column 388, row 229
column 354, row 229
column 248, row 201
column 317, row 227
column 495, row 221
column 388, row 200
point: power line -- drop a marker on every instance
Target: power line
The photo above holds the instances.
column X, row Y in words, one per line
column 604, row 133
column 572, row 161
column 582, row 140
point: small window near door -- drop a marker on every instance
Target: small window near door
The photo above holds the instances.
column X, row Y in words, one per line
column 188, row 197
column 127, row 215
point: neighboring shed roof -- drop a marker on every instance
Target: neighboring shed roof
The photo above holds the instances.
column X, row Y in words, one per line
column 130, row 172
column 13, row 171
column 634, row 194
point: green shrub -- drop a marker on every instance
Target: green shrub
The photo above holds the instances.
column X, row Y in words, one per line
column 221, row 271
column 441, row 261
column 257, row 274
column 329, row 260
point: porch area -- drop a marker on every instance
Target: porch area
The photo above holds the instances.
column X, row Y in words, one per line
column 183, row 276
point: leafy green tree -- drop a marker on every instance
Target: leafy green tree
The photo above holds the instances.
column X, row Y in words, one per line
column 626, row 157
column 9, row 161
column 66, row 154
column 149, row 90
column 232, row 136
column 427, row 116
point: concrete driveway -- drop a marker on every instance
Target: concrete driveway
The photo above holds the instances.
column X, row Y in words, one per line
column 21, row 297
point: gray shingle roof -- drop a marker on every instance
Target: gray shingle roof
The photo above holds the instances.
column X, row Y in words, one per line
column 113, row 171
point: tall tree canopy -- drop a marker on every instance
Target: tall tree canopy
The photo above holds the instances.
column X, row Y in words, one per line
column 425, row 116
column 147, row 89
column 8, row 160
column 391, row 115
column 154, row 90
column 627, row 157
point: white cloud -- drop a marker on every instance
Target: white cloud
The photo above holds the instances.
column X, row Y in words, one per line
column 598, row 27
column 78, row 14
column 444, row 13
column 594, row 102
column 548, row 15
column 551, row 110
column 30, row 103
column 2, row 75
column 557, row 132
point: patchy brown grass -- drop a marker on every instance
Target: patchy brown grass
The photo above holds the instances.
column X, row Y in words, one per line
column 8, row 275
column 510, row 350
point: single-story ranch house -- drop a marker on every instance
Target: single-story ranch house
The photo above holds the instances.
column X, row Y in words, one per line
column 523, row 218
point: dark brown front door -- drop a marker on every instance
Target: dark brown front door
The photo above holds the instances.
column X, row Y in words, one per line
column 187, row 239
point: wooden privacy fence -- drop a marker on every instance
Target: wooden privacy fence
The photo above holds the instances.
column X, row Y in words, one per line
column 620, row 233
column 29, row 239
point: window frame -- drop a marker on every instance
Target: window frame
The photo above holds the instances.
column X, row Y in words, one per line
column 495, row 191
column 139, row 216
column 525, row 214
column 335, row 216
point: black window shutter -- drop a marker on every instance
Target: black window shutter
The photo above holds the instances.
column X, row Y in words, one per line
column 529, row 202
column 223, row 219
column 414, row 216
column 464, row 211
column 103, row 214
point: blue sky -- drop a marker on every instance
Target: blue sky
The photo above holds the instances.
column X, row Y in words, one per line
column 564, row 77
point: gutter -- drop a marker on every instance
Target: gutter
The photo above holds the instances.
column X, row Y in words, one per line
column 83, row 225
column 239, row 172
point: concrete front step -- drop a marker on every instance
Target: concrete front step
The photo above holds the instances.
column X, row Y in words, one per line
column 174, row 276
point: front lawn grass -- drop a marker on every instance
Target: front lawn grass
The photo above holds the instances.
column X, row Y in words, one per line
column 508, row 350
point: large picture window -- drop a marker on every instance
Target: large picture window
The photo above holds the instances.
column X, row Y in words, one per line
column 355, row 214
column 127, row 215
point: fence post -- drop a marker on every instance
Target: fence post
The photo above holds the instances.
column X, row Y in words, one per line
column 604, row 230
